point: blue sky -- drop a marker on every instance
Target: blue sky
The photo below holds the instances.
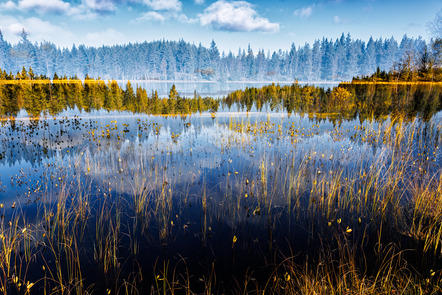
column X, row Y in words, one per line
column 268, row 25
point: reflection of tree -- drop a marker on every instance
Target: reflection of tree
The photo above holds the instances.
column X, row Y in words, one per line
column 341, row 99
column 365, row 100
column 38, row 94
column 36, row 140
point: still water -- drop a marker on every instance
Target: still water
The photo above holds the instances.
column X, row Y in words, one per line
column 229, row 191
column 212, row 89
column 198, row 144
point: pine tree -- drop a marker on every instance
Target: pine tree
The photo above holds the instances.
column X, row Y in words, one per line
column 341, row 58
column 260, row 65
column 316, row 61
column 214, row 58
column 369, row 64
column 293, row 62
column 307, row 60
column 5, row 58
column 249, row 62
column 390, row 51
column 351, row 58
column 329, row 61
column 48, row 53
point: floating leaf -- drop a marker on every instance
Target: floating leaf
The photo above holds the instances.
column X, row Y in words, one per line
column 29, row 285
column 287, row 276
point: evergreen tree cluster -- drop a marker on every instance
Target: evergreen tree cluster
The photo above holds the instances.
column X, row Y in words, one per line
column 37, row 94
column 325, row 60
column 346, row 101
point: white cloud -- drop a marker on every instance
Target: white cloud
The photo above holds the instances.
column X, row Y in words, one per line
column 304, row 12
column 16, row 28
column 44, row 6
column 236, row 16
column 100, row 6
column 87, row 9
column 199, row 2
column 8, row 6
column 40, row 6
column 182, row 18
column 43, row 30
column 151, row 16
column 338, row 20
column 162, row 17
column 50, row 6
column 171, row 5
column 38, row 30
column 107, row 37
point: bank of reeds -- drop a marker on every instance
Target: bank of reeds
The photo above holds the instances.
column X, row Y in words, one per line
column 313, row 222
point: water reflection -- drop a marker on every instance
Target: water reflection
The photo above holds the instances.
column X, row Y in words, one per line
column 199, row 141
column 185, row 186
column 212, row 89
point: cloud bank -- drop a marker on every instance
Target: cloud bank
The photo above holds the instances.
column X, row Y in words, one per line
column 151, row 16
column 170, row 5
column 236, row 16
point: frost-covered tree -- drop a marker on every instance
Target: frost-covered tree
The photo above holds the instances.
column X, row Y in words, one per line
column 326, row 59
column 341, row 57
column 316, row 61
column 369, row 61
column 214, row 58
column 351, row 58
column 5, row 58
column 389, row 54
column 24, row 54
column 293, row 62
column 329, row 61
column 306, row 59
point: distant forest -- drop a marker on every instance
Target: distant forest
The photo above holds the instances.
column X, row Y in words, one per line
column 38, row 96
column 325, row 60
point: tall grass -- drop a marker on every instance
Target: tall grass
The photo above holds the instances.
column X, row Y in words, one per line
column 318, row 221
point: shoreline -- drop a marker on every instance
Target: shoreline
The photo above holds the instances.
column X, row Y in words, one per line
column 42, row 81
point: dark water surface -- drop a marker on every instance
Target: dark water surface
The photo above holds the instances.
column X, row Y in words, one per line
column 230, row 194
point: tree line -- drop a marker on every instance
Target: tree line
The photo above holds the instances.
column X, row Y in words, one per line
column 37, row 94
column 324, row 60
column 346, row 101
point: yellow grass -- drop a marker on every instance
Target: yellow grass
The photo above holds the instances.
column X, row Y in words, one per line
column 47, row 81
column 391, row 83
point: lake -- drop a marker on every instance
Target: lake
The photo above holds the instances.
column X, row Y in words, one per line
column 212, row 89
column 236, row 200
